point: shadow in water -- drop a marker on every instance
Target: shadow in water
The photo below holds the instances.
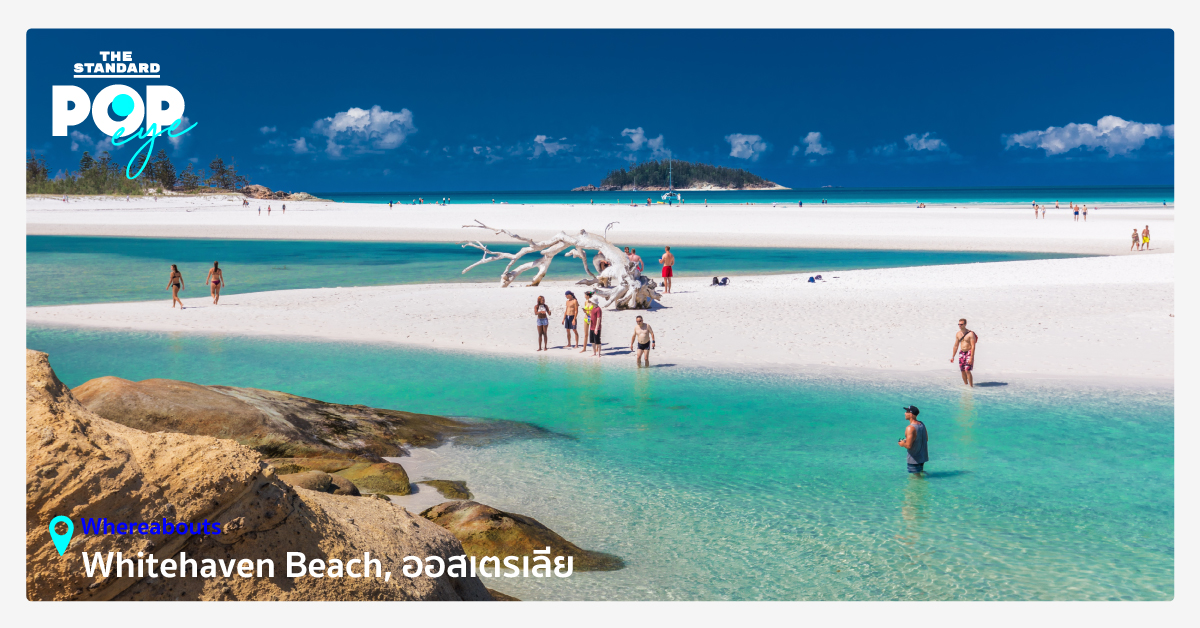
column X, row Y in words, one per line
column 990, row 384
column 945, row 474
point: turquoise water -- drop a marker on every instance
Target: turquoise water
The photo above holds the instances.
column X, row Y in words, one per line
column 737, row 486
column 61, row 270
column 1089, row 195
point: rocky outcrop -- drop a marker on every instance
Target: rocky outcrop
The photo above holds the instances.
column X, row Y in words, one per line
column 450, row 489
column 321, row 482
column 586, row 188
column 279, row 425
column 264, row 193
column 81, row 465
column 370, row 476
column 486, row 531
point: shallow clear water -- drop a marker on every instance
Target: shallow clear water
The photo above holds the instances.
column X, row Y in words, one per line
column 68, row 269
column 1090, row 195
column 751, row 486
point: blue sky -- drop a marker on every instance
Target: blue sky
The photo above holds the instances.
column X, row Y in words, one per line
column 530, row 110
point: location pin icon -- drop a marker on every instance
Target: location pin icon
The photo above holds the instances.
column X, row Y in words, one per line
column 61, row 540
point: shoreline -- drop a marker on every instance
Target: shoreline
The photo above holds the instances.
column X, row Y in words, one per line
column 1112, row 316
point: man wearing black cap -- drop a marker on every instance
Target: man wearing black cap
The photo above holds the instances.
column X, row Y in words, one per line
column 916, row 441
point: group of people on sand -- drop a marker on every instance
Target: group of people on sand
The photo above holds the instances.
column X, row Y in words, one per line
column 1039, row 211
column 1142, row 243
column 282, row 209
column 215, row 280
column 590, row 315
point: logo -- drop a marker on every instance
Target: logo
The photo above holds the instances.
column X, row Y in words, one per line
column 161, row 110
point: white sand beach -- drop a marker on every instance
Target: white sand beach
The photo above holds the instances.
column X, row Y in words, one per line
column 936, row 227
column 1109, row 317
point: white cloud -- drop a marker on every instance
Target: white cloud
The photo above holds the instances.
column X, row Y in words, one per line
column 363, row 130
column 176, row 142
column 813, row 145
column 1113, row 134
column 83, row 141
column 638, row 140
column 267, row 129
column 299, row 146
column 924, row 142
column 887, row 150
column 746, row 146
column 541, row 144
column 488, row 153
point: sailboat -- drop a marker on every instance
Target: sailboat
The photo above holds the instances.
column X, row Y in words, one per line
column 671, row 194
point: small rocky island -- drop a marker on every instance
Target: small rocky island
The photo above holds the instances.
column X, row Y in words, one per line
column 684, row 175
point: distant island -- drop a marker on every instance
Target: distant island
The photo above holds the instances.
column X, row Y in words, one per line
column 652, row 175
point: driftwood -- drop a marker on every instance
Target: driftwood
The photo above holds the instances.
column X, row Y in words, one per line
column 616, row 280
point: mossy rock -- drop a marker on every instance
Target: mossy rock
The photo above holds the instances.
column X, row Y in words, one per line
column 321, row 482
column 378, row 477
column 450, row 489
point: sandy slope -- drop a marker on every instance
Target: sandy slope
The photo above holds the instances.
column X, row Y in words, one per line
column 995, row 228
column 1105, row 316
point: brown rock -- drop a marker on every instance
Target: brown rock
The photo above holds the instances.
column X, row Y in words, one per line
column 450, row 489
column 378, row 477
column 257, row 191
column 502, row 597
column 80, row 465
column 279, row 425
column 321, row 482
column 486, row 531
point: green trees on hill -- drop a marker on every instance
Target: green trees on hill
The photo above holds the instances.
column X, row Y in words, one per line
column 104, row 175
column 685, row 174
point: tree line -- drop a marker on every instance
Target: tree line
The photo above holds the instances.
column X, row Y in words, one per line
column 104, row 175
column 654, row 173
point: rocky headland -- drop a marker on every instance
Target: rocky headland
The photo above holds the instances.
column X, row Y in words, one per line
column 264, row 193
column 81, row 465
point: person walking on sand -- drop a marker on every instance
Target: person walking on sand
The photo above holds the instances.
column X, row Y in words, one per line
column 1085, row 213
column 595, row 327
column 1137, row 240
column 916, row 441
column 668, row 271
column 588, row 307
column 965, row 342
column 175, row 284
column 1146, row 238
column 643, row 335
column 542, row 312
column 1076, row 208
column 570, row 313
column 1043, row 212
column 216, row 279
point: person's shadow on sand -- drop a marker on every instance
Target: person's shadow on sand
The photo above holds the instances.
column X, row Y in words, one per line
column 990, row 384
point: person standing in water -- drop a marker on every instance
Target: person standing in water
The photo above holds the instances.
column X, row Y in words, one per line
column 916, row 441
column 570, row 313
column 215, row 279
column 668, row 263
column 643, row 335
column 542, row 311
column 965, row 342
column 175, row 284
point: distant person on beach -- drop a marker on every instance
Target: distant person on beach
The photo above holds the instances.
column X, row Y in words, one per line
column 175, row 284
column 1076, row 214
column 965, row 342
column 542, row 311
column 268, row 210
column 1085, row 213
column 1146, row 238
column 570, row 313
column 1035, row 212
column 284, row 208
column 588, row 306
column 1137, row 240
column 643, row 335
column 668, row 271
column 215, row 279
column 1055, row 204
column 647, row 202
column 1043, row 211
column 260, row 210
column 916, row 441
column 597, row 322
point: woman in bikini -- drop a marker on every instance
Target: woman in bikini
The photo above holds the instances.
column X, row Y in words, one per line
column 215, row 279
column 542, row 311
column 1137, row 241
column 175, row 284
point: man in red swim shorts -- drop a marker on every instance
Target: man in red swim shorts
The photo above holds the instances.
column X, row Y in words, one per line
column 965, row 342
column 667, row 261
